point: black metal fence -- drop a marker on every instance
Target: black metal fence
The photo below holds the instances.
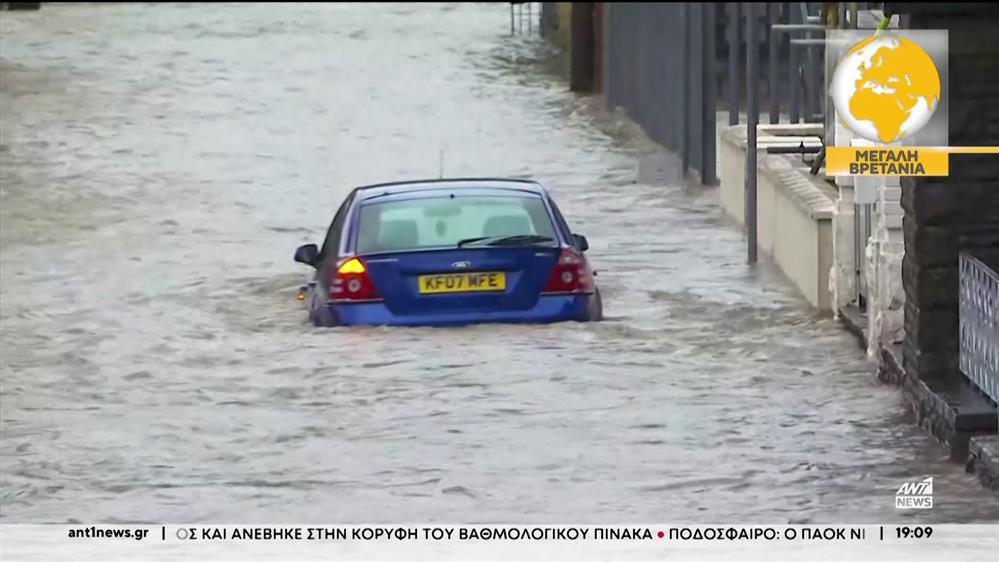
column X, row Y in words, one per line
column 671, row 66
column 655, row 69
column 979, row 319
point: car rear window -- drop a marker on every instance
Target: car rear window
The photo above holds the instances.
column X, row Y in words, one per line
column 441, row 222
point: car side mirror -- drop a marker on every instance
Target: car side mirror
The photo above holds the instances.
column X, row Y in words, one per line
column 581, row 242
column 308, row 254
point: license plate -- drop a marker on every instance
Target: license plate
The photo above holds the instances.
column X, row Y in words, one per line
column 462, row 282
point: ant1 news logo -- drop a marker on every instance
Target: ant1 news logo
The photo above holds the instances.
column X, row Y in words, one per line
column 915, row 495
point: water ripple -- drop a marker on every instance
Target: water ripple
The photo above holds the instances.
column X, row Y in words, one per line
column 157, row 176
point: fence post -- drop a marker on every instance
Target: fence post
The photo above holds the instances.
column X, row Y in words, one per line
column 608, row 41
column 709, row 174
column 685, row 94
column 793, row 69
column 773, row 63
column 581, row 47
column 813, row 98
column 733, row 63
column 752, row 116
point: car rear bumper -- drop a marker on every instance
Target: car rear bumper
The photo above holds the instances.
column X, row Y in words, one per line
column 550, row 308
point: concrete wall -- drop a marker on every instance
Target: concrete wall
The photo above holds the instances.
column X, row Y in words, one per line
column 796, row 236
column 731, row 191
column 884, row 255
column 794, row 210
column 843, row 277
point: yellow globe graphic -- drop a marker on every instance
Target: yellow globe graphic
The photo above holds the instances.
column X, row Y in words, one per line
column 885, row 88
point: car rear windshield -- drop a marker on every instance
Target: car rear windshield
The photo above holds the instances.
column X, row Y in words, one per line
column 441, row 222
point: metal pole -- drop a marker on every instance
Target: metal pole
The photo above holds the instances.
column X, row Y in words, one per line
column 520, row 18
column 773, row 66
column 530, row 15
column 733, row 63
column 512, row 28
column 607, row 66
column 685, row 96
column 709, row 174
column 798, row 27
column 752, row 116
column 812, row 96
column 793, row 97
column 829, row 125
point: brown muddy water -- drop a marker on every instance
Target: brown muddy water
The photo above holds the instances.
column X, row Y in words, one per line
column 160, row 163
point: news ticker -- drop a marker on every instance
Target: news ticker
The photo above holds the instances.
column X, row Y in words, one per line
column 500, row 542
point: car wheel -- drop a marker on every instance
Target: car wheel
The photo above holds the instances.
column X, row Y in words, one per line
column 596, row 312
column 322, row 317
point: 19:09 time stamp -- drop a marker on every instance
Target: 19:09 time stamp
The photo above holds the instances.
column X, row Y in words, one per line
column 913, row 532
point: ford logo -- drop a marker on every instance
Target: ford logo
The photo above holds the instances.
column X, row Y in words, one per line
column 461, row 265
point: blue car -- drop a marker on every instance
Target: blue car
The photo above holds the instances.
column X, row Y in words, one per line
column 446, row 252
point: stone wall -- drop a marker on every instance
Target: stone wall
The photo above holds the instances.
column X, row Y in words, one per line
column 942, row 215
column 983, row 460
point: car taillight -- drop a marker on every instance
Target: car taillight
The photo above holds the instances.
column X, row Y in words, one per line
column 351, row 282
column 571, row 274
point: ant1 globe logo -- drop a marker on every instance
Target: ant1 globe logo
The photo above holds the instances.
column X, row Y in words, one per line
column 885, row 88
column 889, row 90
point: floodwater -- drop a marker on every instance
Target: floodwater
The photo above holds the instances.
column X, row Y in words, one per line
column 160, row 163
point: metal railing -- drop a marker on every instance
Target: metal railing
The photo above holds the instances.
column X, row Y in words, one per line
column 522, row 13
column 800, row 20
column 979, row 319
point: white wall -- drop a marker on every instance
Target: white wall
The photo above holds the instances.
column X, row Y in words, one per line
column 794, row 211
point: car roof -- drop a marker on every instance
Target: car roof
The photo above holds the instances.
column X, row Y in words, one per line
column 469, row 185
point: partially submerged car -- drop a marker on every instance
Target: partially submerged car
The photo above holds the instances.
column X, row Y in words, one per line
column 450, row 251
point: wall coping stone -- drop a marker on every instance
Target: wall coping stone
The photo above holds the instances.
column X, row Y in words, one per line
column 810, row 193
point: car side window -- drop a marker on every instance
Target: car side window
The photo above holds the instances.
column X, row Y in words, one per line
column 332, row 244
column 560, row 219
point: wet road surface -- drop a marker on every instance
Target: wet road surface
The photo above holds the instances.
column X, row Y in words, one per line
column 161, row 163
